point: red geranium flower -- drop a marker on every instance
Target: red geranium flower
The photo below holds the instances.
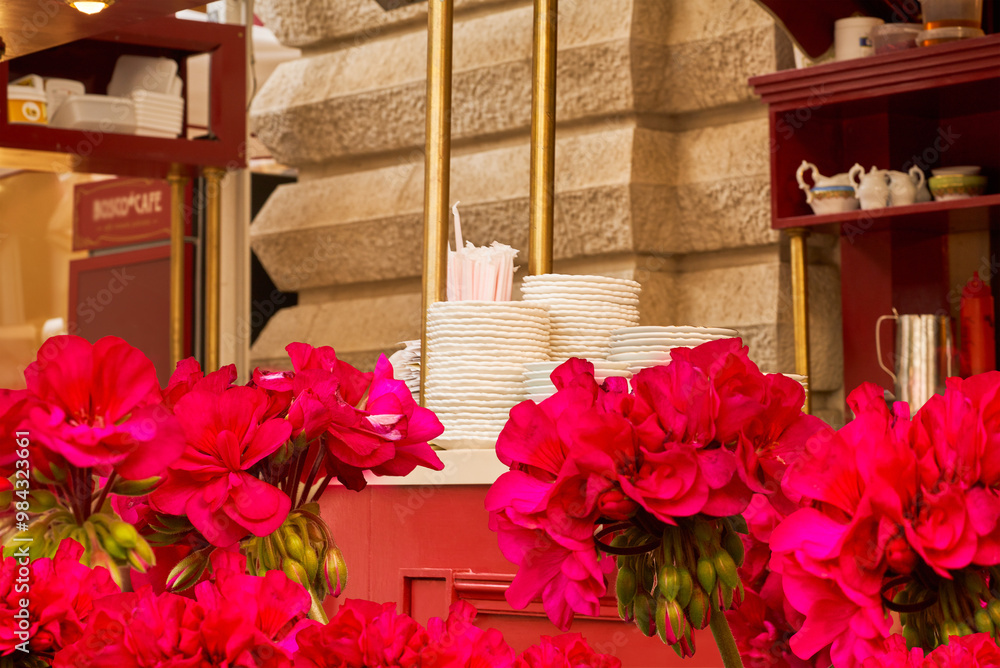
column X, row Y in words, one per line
column 210, row 483
column 59, row 594
column 100, row 406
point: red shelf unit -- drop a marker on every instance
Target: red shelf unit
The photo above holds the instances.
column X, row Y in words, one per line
column 92, row 61
column 933, row 107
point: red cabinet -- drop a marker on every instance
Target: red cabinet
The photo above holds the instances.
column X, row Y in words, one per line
column 930, row 107
column 425, row 546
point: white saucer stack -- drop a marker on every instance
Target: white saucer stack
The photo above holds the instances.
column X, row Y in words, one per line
column 406, row 366
column 642, row 347
column 476, row 353
column 538, row 384
column 584, row 310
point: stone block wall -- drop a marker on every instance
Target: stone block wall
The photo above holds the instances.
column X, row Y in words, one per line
column 662, row 162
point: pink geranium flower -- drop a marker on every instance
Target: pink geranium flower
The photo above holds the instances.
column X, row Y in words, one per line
column 566, row 651
column 211, row 483
column 238, row 621
column 60, row 594
column 99, row 406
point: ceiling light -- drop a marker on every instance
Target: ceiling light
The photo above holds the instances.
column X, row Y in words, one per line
column 89, row 6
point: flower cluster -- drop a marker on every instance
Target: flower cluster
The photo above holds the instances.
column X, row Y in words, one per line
column 898, row 514
column 763, row 623
column 235, row 620
column 670, row 463
column 97, row 421
column 120, row 465
column 978, row 650
column 45, row 603
column 78, row 617
column 364, row 634
column 255, row 452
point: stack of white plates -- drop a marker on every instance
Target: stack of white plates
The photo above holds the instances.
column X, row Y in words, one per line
column 538, row 382
column 476, row 353
column 584, row 310
column 158, row 114
column 406, row 366
column 642, row 347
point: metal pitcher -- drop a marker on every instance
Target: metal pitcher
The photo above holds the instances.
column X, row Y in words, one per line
column 924, row 355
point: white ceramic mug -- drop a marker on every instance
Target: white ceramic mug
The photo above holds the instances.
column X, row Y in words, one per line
column 852, row 37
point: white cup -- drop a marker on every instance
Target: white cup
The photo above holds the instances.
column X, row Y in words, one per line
column 852, row 37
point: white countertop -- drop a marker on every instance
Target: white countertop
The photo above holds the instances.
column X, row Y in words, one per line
column 461, row 467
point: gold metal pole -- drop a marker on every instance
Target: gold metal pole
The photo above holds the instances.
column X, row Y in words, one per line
column 213, row 225
column 543, row 137
column 800, row 305
column 437, row 165
column 178, row 187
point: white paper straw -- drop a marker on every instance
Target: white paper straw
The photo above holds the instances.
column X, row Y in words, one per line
column 458, row 226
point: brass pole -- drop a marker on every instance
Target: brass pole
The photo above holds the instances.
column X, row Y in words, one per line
column 437, row 165
column 178, row 186
column 543, row 137
column 800, row 305
column 213, row 225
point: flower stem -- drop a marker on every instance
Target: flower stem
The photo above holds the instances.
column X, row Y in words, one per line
column 724, row 639
column 104, row 492
column 316, row 611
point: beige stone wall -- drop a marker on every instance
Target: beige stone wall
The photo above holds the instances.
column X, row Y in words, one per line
column 661, row 162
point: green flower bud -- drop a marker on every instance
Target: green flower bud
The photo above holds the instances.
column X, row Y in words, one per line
column 188, row 571
column 699, row 609
column 294, row 546
column 668, row 581
column 296, row 572
column 725, row 567
column 644, row 613
column 334, row 571
column 625, row 585
column 706, row 574
column 732, row 543
column 124, row 534
column 686, row 587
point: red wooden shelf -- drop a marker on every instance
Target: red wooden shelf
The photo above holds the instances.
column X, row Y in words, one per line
column 930, row 107
column 878, row 76
column 92, row 61
column 963, row 215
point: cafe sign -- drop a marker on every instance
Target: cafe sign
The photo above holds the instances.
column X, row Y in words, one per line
column 120, row 212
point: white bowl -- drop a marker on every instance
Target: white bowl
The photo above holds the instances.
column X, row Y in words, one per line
column 962, row 170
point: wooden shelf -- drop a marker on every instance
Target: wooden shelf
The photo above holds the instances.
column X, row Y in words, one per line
column 931, row 107
column 92, row 61
column 880, row 76
column 27, row 26
column 963, row 215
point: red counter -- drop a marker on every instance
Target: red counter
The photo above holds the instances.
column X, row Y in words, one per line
column 425, row 543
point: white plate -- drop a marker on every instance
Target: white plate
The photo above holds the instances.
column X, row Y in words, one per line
column 575, row 292
column 556, row 304
column 463, row 442
column 478, row 320
column 493, row 328
column 587, row 278
column 445, row 336
column 608, row 322
column 640, row 357
column 672, row 330
column 514, row 347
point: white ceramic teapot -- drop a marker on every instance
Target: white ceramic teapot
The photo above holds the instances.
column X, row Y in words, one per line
column 905, row 187
column 872, row 189
column 819, row 181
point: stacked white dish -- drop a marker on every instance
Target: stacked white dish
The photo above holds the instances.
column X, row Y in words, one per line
column 156, row 90
column 158, row 114
column 538, row 382
column 406, row 366
column 642, row 347
column 476, row 353
column 584, row 310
